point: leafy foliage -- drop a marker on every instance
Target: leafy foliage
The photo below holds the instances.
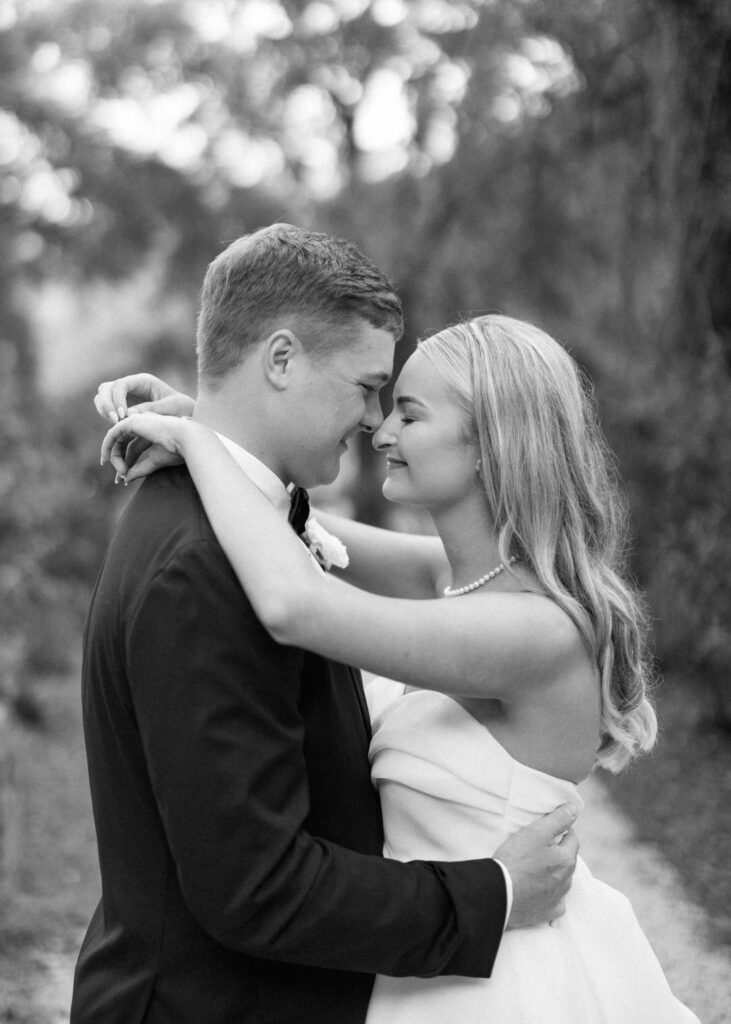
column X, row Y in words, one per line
column 53, row 524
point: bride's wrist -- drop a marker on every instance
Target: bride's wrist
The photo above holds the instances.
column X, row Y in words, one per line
column 189, row 433
column 185, row 432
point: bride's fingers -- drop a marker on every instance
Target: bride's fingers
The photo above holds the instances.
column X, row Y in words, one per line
column 111, row 399
column 126, row 455
column 153, row 458
column 141, row 468
column 149, row 427
column 104, row 403
column 118, row 459
column 135, row 453
column 170, row 405
column 135, row 448
column 116, row 438
column 108, row 442
column 142, row 385
column 120, row 390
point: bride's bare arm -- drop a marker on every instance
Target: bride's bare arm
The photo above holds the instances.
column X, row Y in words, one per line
column 386, row 562
column 381, row 561
column 485, row 645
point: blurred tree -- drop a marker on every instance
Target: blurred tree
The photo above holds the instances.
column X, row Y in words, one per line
column 198, row 117
column 52, row 524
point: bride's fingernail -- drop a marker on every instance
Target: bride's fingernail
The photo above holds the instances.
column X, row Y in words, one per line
column 113, row 416
column 120, row 410
column 116, row 478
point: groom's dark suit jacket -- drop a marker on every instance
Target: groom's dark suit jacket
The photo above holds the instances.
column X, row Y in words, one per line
column 239, row 835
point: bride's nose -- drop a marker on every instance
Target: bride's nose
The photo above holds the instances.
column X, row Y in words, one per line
column 384, row 436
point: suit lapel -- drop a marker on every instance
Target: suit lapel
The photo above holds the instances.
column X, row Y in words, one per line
column 358, row 684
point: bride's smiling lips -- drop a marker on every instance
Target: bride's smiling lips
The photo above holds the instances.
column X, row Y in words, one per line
column 392, row 463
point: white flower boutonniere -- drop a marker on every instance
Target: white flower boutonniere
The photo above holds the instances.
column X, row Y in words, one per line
column 327, row 549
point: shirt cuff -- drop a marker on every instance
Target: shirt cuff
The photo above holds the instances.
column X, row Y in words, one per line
column 508, row 892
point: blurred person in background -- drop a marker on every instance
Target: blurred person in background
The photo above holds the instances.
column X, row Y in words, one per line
column 517, row 642
column 240, row 839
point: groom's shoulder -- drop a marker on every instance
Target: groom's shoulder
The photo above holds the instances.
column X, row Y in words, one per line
column 166, row 508
column 162, row 531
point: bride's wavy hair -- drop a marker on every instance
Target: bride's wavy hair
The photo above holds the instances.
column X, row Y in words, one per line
column 554, row 496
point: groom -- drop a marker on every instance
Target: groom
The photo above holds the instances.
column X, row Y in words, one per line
column 239, row 834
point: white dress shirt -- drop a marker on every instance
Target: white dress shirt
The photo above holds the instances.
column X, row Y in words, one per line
column 265, row 479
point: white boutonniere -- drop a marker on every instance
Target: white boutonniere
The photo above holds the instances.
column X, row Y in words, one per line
column 327, row 549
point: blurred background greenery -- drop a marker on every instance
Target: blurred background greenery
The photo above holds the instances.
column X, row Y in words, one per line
column 564, row 161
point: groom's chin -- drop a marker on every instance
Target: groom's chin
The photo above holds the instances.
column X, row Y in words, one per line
column 319, row 477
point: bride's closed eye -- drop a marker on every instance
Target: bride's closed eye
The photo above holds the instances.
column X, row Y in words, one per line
column 407, row 413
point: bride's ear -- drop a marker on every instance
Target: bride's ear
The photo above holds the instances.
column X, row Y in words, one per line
column 280, row 350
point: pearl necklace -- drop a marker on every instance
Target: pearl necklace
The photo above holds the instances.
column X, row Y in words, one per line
column 458, row 591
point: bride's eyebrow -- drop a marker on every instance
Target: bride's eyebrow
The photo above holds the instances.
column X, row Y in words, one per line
column 404, row 399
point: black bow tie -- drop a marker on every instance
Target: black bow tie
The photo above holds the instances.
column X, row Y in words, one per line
column 299, row 511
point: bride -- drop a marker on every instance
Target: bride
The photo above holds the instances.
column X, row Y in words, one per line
column 518, row 645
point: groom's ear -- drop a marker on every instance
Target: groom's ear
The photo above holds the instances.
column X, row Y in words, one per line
column 280, row 349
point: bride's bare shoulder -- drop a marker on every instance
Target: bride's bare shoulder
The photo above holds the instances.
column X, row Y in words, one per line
column 543, row 636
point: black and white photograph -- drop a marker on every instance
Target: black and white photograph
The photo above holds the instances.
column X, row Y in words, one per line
column 365, row 533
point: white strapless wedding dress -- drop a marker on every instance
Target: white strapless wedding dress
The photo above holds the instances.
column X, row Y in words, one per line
column 450, row 791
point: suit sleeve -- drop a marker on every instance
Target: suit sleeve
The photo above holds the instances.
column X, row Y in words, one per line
column 217, row 707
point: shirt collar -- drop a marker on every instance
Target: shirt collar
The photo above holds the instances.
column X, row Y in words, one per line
column 267, row 481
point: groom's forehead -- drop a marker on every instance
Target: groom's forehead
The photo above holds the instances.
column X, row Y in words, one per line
column 371, row 355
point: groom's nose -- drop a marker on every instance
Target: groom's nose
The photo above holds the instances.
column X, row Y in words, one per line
column 373, row 417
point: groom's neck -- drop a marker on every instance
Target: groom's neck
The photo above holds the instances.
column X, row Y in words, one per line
column 240, row 422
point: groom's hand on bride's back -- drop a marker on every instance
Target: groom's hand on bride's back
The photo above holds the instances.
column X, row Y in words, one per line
column 541, row 859
column 136, row 393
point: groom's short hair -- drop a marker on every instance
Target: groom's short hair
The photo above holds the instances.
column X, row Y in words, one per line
column 284, row 276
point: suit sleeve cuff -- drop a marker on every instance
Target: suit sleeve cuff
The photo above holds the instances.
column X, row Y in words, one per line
column 508, row 891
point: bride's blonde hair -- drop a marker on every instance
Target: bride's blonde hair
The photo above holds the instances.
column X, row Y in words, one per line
column 554, row 498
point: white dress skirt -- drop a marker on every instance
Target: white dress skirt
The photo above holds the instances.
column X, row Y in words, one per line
column 450, row 791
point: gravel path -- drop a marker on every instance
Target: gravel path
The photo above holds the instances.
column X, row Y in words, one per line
column 699, row 974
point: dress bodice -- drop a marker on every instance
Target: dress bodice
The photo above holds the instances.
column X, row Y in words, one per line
column 449, row 790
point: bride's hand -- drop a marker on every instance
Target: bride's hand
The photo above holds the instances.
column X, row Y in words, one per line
column 150, row 394
column 164, row 435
